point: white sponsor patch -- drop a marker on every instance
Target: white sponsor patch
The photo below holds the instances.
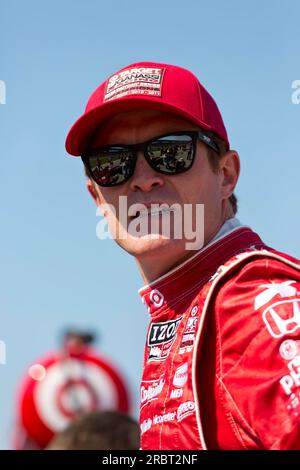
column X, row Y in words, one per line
column 292, row 380
column 161, row 337
column 282, row 318
column 146, row 425
column 185, row 409
column 187, row 343
column 150, row 390
column 289, row 349
column 283, row 289
column 294, row 404
column 159, row 419
column 191, row 325
column 181, row 375
column 134, row 81
column 176, row 393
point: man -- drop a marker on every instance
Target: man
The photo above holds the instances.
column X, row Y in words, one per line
column 222, row 357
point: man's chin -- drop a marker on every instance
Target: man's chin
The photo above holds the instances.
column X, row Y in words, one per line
column 150, row 245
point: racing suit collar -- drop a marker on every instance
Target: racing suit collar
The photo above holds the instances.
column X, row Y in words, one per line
column 228, row 226
column 231, row 239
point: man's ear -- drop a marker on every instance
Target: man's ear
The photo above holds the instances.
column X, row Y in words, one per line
column 230, row 166
column 92, row 191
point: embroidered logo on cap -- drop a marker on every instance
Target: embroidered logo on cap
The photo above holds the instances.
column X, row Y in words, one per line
column 134, row 81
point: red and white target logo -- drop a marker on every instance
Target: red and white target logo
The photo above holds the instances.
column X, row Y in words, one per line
column 69, row 387
column 75, row 397
column 156, row 298
column 194, row 311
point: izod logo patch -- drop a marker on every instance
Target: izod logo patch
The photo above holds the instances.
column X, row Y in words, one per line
column 161, row 337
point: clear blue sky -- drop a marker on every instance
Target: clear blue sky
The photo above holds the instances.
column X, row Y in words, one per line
column 54, row 271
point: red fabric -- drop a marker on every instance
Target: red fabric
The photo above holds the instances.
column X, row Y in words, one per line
column 222, row 357
column 178, row 91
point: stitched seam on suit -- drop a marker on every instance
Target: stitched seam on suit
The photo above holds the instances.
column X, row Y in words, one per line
column 228, row 415
column 218, row 339
column 238, row 410
column 261, row 331
column 244, row 353
column 235, row 428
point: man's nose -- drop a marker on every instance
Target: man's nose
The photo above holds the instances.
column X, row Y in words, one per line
column 144, row 177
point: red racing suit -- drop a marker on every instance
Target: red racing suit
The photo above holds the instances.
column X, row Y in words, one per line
column 222, row 357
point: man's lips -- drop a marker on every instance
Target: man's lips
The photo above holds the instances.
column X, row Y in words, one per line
column 154, row 212
column 149, row 209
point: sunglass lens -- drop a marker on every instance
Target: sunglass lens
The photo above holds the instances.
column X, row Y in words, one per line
column 172, row 154
column 111, row 167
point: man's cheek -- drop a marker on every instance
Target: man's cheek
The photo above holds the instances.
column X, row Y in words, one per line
column 107, row 227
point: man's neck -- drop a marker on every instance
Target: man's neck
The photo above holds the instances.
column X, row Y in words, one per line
column 155, row 266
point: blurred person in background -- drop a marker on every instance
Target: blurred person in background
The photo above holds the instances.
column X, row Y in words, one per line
column 99, row 430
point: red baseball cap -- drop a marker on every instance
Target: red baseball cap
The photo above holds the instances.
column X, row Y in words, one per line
column 148, row 85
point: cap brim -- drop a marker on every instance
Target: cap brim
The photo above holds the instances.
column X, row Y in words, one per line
column 81, row 132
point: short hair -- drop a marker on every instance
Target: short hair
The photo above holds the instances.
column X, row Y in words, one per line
column 99, row 430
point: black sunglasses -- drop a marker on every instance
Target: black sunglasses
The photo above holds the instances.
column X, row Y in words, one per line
column 167, row 154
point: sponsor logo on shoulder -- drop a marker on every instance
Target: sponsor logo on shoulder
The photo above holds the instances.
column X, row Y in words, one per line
column 283, row 289
column 161, row 337
column 281, row 317
column 292, row 380
column 289, row 349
